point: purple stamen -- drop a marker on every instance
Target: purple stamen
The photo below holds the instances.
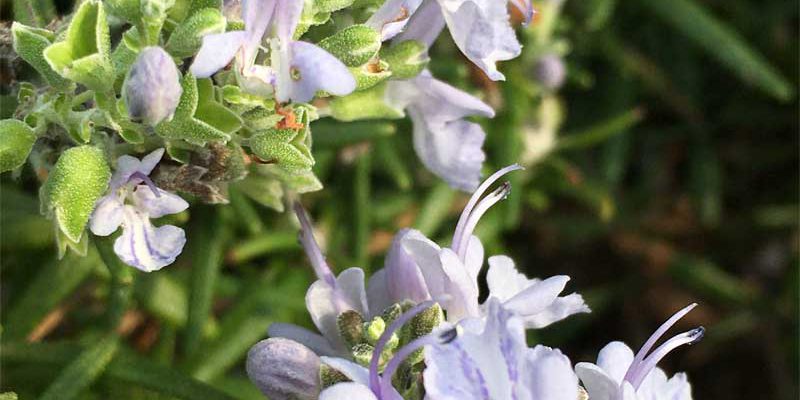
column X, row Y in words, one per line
column 311, row 247
column 640, row 356
column 374, row 378
column 475, row 216
column 644, row 368
column 462, row 220
column 147, row 181
column 429, row 339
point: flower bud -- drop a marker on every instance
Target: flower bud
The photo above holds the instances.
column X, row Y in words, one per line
column 152, row 88
column 550, row 71
column 284, row 369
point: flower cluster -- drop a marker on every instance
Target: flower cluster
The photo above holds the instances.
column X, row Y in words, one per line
column 417, row 330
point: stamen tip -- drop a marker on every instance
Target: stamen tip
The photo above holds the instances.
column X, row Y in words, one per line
column 450, row 335
column 697, row 334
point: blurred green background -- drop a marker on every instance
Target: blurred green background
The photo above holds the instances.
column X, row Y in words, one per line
column 664, row 171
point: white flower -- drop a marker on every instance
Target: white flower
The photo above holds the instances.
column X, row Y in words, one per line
column 132, row 201
column 618, row 375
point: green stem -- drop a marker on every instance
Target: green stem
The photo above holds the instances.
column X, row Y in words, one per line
column 121, row 282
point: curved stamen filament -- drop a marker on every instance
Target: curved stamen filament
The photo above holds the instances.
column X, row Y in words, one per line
column 311, row 247
column 374, row 378
column 647, row 365
column 475, row 216
column 476, row 196
column 651, row 341
column 147, row 181
column 430, row 339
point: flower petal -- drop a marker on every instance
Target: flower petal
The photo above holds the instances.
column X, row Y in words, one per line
column 324, row 308
column 538, row 296
column 287, row 15
column 313, row 341
column 392, row 16
column 503, row 279
column 404, row 280
column 257, row 15
column 615, row 359
column 351, row 284
column 474, row 257
column 481, row 29
column 425, row 25
column 216, row 52
column 146, row 247
column 347, row 391
column 461, row 287
column 598, row 384
column 548, row 375
column 107, row 215
column 425, row 254
column 562, row 307
column 453, row 150
column 156, row 206
column 150, row 161
column 318, row 70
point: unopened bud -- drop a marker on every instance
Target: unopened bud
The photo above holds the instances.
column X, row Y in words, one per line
column 152, row 88
column 550, row 71
column 284, row 369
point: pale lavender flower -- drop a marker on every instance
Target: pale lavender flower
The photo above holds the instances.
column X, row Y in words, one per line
column 619, row 375
column 489, row 359
column 152, row 88
column 480, row 28
column 284, row 369
column 298, row 69
column 132, row 201
column 450, row 275
column 448, row 144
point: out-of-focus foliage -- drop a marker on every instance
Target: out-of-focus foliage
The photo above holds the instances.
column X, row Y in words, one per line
column 663, row 171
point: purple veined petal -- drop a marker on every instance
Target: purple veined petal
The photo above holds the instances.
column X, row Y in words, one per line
column 216, row 52
column 316, row 69
column 146, row 247
column 392, row 16
column 257, row 15
column 313, row 341
column 548, row 375
column 157, row 205
column 451, row 150
column 107, row 215
column 287, row 15
column 482, row 31
column 537, row 297
column 425, row 25
column 347, row 391
column 598, row 384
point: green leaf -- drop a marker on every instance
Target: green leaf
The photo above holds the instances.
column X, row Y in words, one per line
column 186, row 39
column 51, row 285
column 289, row 148
column 328, row 6
column 406, row 59
column 84, row 55
column 212, row 112
column 354, row 45
column 81, row 372
column 30, row 44
column 725, row 44
column 33, row 12
column 371, row 74
column 125, row 53
column 127, row 368
column 184, row 125
column 198, row 5
column 75, row 183
column 128, row 10
column 366, row 104
column 16, row 141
